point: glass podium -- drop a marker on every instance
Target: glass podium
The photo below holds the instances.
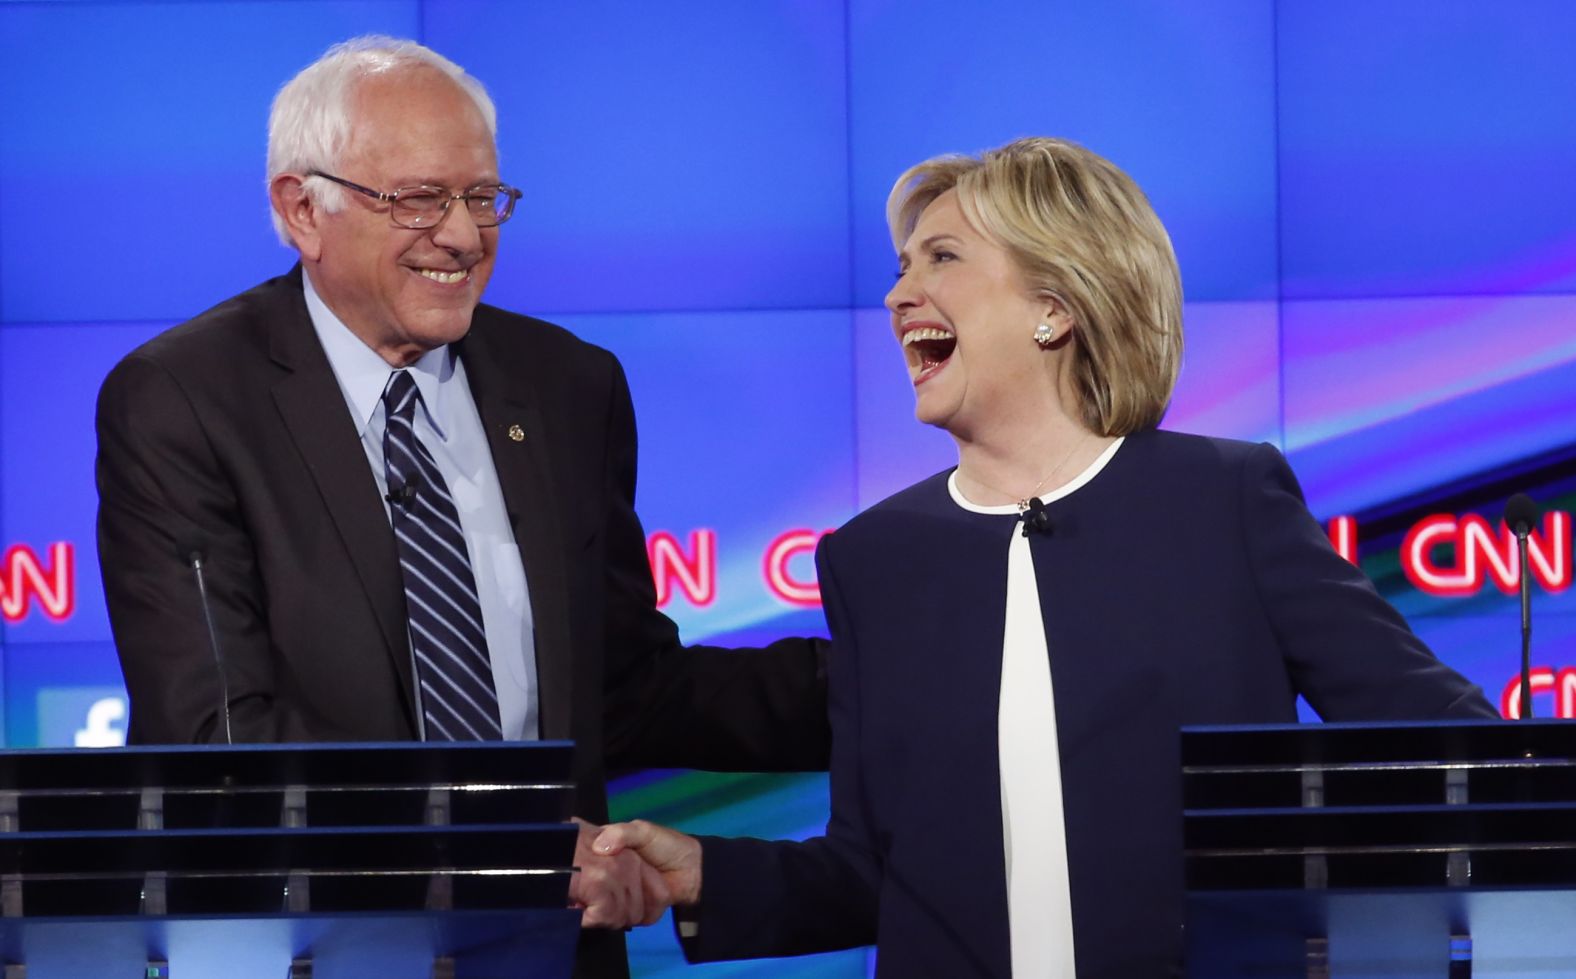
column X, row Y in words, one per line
column 299, row 861
column 1381, row 849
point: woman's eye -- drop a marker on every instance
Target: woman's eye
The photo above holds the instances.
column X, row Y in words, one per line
column 942, row 256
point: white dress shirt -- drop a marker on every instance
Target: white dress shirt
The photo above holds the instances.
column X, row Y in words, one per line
column 451, row 429
column 1033, row 826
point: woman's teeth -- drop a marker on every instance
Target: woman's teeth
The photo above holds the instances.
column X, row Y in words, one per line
column 924, row 333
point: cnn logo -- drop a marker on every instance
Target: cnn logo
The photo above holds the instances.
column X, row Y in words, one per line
column 1561, row 683
column 26, row 579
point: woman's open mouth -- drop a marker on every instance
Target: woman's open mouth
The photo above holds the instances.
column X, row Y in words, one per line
column 928, row 348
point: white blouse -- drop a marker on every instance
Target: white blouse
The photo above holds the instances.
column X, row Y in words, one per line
column 1033, row 830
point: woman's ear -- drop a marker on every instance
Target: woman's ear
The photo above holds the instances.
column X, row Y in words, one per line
column 1057, row 316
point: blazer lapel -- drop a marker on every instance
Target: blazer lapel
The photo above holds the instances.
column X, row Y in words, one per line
column 313, row 408
column 510, row 410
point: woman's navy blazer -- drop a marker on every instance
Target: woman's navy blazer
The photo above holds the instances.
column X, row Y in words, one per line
column 1186, row 583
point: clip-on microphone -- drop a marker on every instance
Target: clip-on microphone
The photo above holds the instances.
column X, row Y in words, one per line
column 1036, row 519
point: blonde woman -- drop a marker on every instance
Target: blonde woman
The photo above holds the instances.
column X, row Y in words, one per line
column 1016, row 641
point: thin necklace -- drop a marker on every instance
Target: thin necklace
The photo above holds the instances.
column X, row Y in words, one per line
column 1023, row 504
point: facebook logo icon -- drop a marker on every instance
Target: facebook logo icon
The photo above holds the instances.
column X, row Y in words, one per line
column 81, row 717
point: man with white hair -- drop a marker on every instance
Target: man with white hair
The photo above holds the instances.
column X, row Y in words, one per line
column 415, row 511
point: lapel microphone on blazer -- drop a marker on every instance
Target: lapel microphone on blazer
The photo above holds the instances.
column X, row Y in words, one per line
column 1036, row 520
column 193, row 551
column 1521, row 513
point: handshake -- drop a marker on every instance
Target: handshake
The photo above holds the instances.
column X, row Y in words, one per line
column 628, row 874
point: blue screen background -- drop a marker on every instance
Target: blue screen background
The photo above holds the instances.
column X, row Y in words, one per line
column 1373, row 204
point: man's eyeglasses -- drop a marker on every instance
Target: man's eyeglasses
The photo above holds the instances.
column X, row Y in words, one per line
column 424, row 207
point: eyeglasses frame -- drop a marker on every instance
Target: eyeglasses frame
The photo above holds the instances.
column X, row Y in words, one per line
column 392, row 197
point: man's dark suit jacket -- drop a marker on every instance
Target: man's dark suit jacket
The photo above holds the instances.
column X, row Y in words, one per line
column 1185, row 584
column 230, row 435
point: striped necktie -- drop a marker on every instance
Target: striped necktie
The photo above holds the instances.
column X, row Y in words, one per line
column 450, row 647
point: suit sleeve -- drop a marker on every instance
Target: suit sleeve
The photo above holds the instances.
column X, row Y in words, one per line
column 769, row 898
column 1350, row 653
column 163, row 494
column 674, row 706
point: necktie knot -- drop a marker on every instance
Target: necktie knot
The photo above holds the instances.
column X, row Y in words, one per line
column 400, row 396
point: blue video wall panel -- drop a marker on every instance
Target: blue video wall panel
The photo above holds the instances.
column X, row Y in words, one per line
column 63, row 694
column 683, row 155
column 1372, row 205
column 1465, row 384
column 689, row 373
column 1180, row 95
column 133, row 149
column 1427, row 148
column 50, row 376
column 1230, row 385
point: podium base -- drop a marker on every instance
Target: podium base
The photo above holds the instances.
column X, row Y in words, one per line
column 478, row 944
column 1275, row 934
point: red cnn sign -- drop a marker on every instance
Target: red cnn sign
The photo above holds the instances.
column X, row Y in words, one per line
column 1561, row 684
column 692, row 571
column 774, row 567
column 1484, row 554
column 25, row 579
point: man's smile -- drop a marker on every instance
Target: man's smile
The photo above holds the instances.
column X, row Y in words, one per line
column 448, row 278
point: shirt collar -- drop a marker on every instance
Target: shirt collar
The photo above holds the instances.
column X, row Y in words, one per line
column 363, row 375
column 1070, row 487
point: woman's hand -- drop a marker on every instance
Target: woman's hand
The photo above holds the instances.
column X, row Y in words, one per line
column 675, row 856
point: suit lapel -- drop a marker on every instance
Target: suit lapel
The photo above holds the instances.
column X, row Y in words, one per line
column 509, row 401
column 313, row 408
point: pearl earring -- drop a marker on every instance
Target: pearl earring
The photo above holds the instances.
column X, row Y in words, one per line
column 1044, row 334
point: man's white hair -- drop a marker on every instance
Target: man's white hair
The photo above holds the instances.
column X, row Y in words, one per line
column 310, row 122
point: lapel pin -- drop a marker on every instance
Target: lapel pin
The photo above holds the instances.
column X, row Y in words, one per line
column 516, row 433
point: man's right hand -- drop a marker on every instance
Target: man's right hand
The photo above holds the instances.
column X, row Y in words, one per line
column 672, row 854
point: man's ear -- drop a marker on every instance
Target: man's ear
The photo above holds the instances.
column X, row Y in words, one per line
column 300, row 213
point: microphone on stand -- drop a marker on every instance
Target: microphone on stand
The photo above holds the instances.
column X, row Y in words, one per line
column 194, row 552
column 1521, row 514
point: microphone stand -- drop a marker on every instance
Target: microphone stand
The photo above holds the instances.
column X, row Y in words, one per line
column 1521, row 513
column 194, row 560
column 1526, row 623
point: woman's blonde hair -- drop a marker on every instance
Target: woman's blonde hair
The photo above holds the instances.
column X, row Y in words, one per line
column 1083, row 233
